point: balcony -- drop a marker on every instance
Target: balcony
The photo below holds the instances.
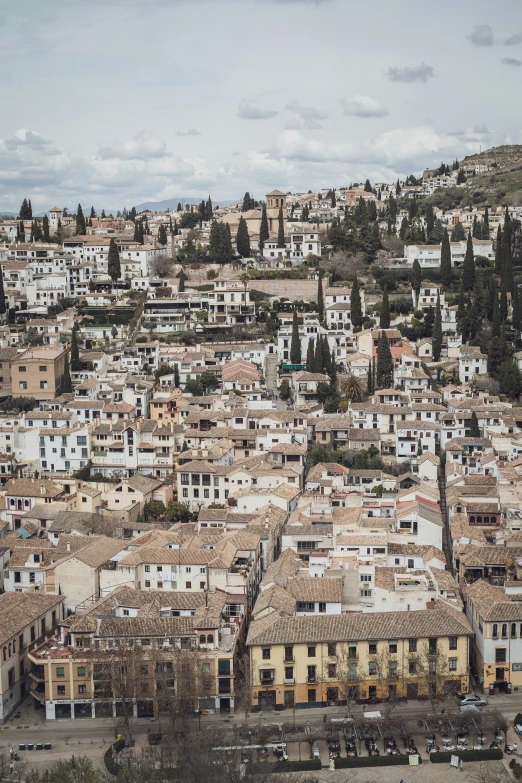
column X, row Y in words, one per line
column 267, row 681
column 289, row 681
column 311, row 678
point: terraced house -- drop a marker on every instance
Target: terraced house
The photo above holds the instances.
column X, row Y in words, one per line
column 314, row 661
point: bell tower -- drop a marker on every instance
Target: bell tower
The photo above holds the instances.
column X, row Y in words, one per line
column 274, row 201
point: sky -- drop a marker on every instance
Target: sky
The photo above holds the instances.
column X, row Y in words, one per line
column 116, row 102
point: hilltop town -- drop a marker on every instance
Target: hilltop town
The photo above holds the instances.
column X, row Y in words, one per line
column 264, row 457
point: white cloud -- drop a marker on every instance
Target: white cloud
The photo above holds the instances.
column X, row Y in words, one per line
column 189, row 132
column 249, row 110
column 482, row 35
column 143, row 146
column 514, row 39
column 409, row 74
column 363, row 106
column 511, row 61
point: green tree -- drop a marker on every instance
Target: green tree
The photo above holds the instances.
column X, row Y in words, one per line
column 208, row 381
column 284, row 389
column 458, row 233
column 384, row 378
column 177, row 512
column 182, row 277
column 485, row 224
column 66, row 377
column 153, row 509
column 310, row 356
column 445, row 260
column 80, row 221
column 495, row 358
column 351, row 387
column 356, row 316
column 384, row 320
column 3, row 306
column 510, row 379
column 75, row 352
column 437, row 331
column 113, row 261
column 503, row 308
column 498, row 252
column 243, row 239
column 416, row 279
column 194, row 387
column 495, row 321
column 248, row 202
column 46, row 236
column 468, row 268
column 369, row 381
column 320, row 298
column 263, row 230
column 517, row 308
column 318, row 357
column 209, row 210
column 93, row 213
column 474, row 426
column 162, row 234
column 280, row 229
column 295, row 345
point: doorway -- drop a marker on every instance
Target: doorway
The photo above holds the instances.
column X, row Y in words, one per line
column 289, row 700
column 332, row 696
column 267, row 700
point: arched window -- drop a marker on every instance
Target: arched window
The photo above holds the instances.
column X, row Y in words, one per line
column 504, row 629
column 495, row 630
column 513, row 629
column 9, row 649
column 5, row 653
column 472, row 519
column 210, row 639
column 486, row 520
column 202, row 639
column 479, row 520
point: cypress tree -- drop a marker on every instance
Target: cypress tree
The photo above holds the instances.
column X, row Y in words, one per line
column 474, row 426
column 45, row 229
column 517, row 309
column 66, row 377
column 141, row 232
column 437, row 331
column 80, row 221
column 327, row 358
column 243, row 239
column 495, row 358
column 209, row 209
column 23, row 210
column 458, row 234
column 103, row 215
column 75, row 352
column 498, row 252
column 374, row 372
column 476, row 230
column 176, row 376
column 445, row 260
column 461, row 309
column 181, row 285
column 507, row 261
column 162, row 235
column 492, row 293
column 136, row 230
column 310, row 356
column 510, row 379
column 3, row 306
column 468, row 268
column 30, row 210
column 333, row 371
column 369, row 384
column 503, row 308
column 485, row 224
column 384, row 321
column 318, row 358
column 113, row 261
column 280, row 229
column 384, row 378
column 295, row 345
column 93, row 213
column 320, row 300
column 355, row 306
column 495, row 320
column 263, row 230
column 229, row 253
column 416, row 279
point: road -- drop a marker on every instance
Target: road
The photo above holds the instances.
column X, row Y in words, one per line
column 31, row 728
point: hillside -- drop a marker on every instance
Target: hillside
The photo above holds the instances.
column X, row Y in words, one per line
column 500, row 185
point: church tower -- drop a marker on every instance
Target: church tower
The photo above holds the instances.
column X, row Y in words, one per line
column 274, row 201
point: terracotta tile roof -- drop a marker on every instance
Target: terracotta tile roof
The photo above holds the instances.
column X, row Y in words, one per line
column 17, row 610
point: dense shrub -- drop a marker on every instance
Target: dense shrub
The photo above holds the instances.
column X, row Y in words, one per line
column 111, row 766
column 373, row 761
column 444, row 757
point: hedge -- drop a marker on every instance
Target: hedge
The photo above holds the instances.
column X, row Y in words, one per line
column 112, row 767
column 388, row 760
column 287, row 766
column 488, row 754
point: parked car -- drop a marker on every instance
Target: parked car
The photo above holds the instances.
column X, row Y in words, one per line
column 472, row 698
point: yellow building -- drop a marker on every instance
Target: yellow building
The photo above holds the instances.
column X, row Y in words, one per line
column 495, row 614
column 331, row 659
column 38, row 373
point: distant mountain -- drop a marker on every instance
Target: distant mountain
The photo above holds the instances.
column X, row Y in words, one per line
column 172, row 203
column 8, row 214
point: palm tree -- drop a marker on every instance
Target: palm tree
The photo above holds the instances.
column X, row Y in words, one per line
column 351, row 387
column 245, row 279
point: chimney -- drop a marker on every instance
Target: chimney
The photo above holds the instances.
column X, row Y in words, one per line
column 68, row 546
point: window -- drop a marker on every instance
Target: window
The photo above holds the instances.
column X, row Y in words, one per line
column 500, row 655
column 372, row 648
column 392, row 648
column 23, row 384
column 453, row 642
column 504, row 630
column 412, row 645
column 289, row 653
column 452, row 664
column 392, row 668
column 495, row 630
column 332, row 670
column 188, row 585
column 60, row 690
column 322, row 608
column 147, row 569
column 289, row 672
column 311, row 694
column 82, row 689
column 22, row 369
column 311, row 651
column 372, row 668
column 331, row 649
column 311, row 674
column 412, row 667
column 60, row 671
column 266, row 653
column 42, row 368
column 513, row 629
column 43, row 384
